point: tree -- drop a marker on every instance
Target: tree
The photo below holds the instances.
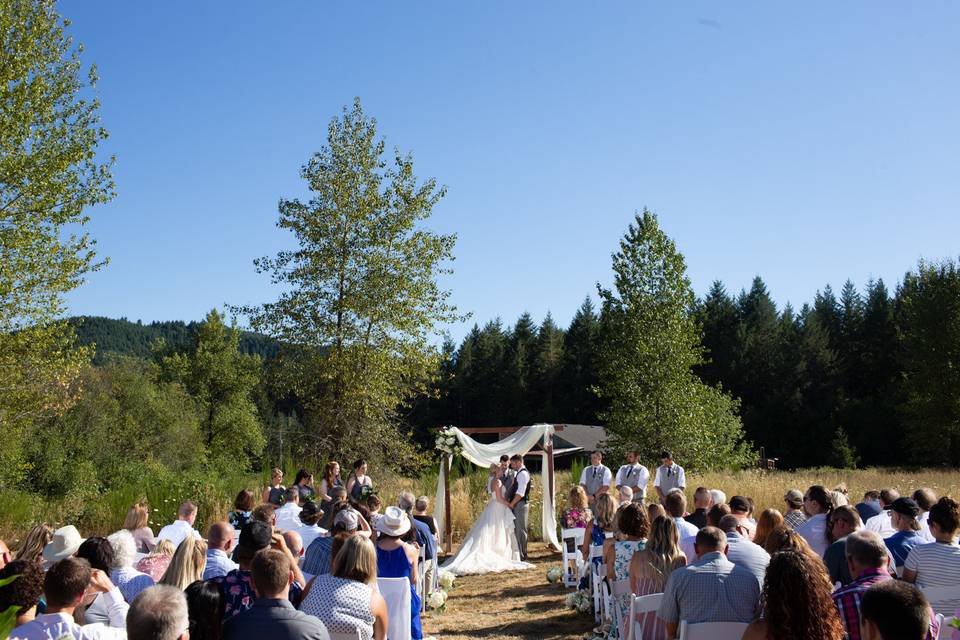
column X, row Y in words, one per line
column 49, row 177
column 222, row 381
column 578, row 377
column 361, row 293
column 650, row 344
column 717, row 315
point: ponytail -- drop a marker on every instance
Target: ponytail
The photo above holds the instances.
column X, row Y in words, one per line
column 819, row 494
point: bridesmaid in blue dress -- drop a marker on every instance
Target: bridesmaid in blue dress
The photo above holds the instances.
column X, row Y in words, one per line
column 398, row 559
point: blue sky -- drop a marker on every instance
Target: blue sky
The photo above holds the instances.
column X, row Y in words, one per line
column 805, row 143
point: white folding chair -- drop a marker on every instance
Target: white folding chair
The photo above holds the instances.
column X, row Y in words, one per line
column 422, row 578
column 598, row 574
column 942, row 599
column 617, row 589
column 340, row 635
column 572, row 560
column 944, row 628
column 640, row 606
column 712, row 630
column 396, row 592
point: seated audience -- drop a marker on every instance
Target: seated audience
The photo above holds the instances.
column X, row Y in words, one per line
column 617, row 554
column 295, row 545
column 702, row 501
column 273, row 493
column 796, row 601
column 741, row 508
column 716, row 512
column 64, row 587
column 937, row 564
column 155, row 563
column 64, row 544
column 741, row 551
column 783, row 538
column 794, row 517
column 769, row 518
column 651, row 566
column 23, row 594
column 318, row 559
column 601, row 527
column 655, row 510
column 881, row 523
column 895, row 610
column 137, row 523
column 31, row 547
column 839, row 498
column 159, row 613
column 347, row 599
column 130, row 581
column 265, row 512
column 675, row 504
column 338, row 500
column 182, row 526
column 905, row 518
column 398, row 559
column 577, row 514
column 187, row 564
column 843, row 521
column 243, row 506
column 925, row 499
column 710, row 588
column 718, row 496
column 219, row 549
column 870, row 506
column 288, row 515
column 310, row 529
column 420, row 514
column 624, row 495
column 99, row 553
column 818, row 503
column 304, row 485
column 205, row 606
column 271, row 615
column 373, row 508
column 867, row 556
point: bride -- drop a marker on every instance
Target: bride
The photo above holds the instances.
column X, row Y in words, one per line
column 491, row 544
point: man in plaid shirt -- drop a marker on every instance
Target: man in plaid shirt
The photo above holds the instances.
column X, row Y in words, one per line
column 867, row 559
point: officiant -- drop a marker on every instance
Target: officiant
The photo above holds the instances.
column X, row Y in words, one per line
column 596, row 478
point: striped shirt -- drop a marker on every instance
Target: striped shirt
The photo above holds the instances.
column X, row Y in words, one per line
column 848, row 599
column 936, row 565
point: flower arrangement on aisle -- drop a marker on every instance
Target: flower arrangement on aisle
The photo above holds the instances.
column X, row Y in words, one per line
column 447, row 443
column 446, row 579
column 580, row 600
column 437, row 600
column 554, row 575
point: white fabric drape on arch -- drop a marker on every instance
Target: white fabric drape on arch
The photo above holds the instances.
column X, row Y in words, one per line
column 521, row 441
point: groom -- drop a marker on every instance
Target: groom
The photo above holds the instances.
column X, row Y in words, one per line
column 517, row 497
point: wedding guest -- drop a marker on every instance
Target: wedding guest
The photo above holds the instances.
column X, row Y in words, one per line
column 794, row 517
column 617, row 554
column 741, row 551
column 596, row 478
column 137, row 523
column 702, row 501
column 31, row 548
column 288, row 515
column 266, row 513
column 870, row 506
column 624, row 496
column 818, row 503
column 374, row 505
column 65, row 542
column 741, row 507
column 273, row 493
column 243, row 506
column 310, row 528
column 894, row 610
column 318, row 558
column 719, row 497
column 783, row 538
column 937, row 564
column 155, row 563
column 420, row 514
column 655, row 510
column 881, row 523
column 98, row 552
column 867, row 556
column 796, row 602
column 187, row 564
column 650, row 568
column 925, row 499
column 424, row 536
column 219, row 549
column 304, row 484
column 359, row 482
column 159, row 613
column 182, row 526
column 714, row 515
column 577, row 515
column 23, row 594
column 633, row 475
column 347, row 599
column 601, row 527
column 205, row 606
column 670, row 476
column 130, row 581
column 769, row 518
column 676, row 505
column 397, row 559
column 843, row 521
column 904, row 515
column 295, row 545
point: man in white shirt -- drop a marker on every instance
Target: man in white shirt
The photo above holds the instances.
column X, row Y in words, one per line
column 675, row 505
column 288, row 516
column 670, row 476
column 634, row 475
column 182, row 527
column 882, row 523
column 925, row 498
column 596, row 479
column 65, row 586
column 310, row 528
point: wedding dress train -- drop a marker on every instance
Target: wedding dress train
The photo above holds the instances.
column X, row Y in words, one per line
column 491, row 544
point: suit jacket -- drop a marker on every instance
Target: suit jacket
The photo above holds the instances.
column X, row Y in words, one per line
column 274, row 619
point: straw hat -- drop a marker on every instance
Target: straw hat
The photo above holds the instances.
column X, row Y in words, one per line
column 66, row 541
column 393, row 522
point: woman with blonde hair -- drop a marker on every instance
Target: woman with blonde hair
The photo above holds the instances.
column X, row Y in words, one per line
column 577, row 515
column 602, row 526
column 346, row 600
column 273, row 494
column 186, row 566
column 769, row 518
column 31, row 549
column 156, row 562
column 650, row 568
column 137, row 522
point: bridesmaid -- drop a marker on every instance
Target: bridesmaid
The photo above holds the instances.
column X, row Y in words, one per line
column 304, row 484
column 358, row 480
column 330, row 479
column 274, row 493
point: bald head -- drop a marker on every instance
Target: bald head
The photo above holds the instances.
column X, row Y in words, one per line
column 220, row 536
column 294, row 543
column 710, row 539
column 729, row 523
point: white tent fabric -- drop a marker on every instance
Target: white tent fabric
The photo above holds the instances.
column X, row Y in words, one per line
column 484, row 455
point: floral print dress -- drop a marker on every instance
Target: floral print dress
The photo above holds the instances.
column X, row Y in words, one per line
column 623, row 554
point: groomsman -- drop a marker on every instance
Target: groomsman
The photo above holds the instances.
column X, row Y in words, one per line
column 596, row 479
column 517, row 497
column 506, row 474
column 670, row 476
column 633, row 475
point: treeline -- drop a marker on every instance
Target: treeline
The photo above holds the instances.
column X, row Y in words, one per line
column 867, row 378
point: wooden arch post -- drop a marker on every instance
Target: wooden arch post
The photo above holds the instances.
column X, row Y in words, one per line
column 447, row 519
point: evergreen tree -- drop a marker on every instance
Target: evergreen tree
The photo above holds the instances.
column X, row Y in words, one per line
column 518, row 370
column 717, row 315
column 548, row 359
column 578, row 377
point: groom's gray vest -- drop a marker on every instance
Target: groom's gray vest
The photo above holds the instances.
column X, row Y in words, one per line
column 512, row 489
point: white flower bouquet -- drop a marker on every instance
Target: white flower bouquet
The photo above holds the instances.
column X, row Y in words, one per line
column 446, row 580
column 554, row 574
column 446, row 443
column 437, row 600
column 581, row 601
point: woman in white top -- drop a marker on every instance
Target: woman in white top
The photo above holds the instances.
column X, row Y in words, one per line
column 818, row 504
column 937, row 564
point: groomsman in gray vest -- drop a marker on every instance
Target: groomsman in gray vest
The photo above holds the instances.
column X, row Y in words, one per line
column 506, row 474
column 634, row 475
column 670, row 476
column 596, row 479
column 517, row 497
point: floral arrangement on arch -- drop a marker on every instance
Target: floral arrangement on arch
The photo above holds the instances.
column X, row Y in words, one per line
column 447, row 443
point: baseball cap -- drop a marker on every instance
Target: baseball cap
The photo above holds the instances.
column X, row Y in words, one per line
column 739, row 503
column 906, row 507
column 348, row 519
column 793, row 496
column 255, row 536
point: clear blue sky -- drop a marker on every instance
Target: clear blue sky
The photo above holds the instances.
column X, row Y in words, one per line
column 806, row 143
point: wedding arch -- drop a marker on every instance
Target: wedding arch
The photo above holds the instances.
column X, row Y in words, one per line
column 521, row 440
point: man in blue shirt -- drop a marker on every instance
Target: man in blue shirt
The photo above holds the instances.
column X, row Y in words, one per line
column 904, row 516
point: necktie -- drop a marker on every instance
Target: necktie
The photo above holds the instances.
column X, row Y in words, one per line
column 595, row 472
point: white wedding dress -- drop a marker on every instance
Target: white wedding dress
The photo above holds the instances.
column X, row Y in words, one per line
column 491, row 544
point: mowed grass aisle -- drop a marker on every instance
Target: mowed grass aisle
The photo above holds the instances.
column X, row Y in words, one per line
column 516, row 604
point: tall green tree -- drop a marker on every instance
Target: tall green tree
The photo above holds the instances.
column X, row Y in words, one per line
column 650, row 345
column 578, row 377
column 361, row 295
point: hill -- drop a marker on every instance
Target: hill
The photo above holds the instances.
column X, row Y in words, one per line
column 135, row 338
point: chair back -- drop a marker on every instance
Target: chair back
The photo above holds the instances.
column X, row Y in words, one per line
column 640, row 606
column 344, row 635
column 572, row 560
column 396, row 592
column 712, row 630
column 943, row 600
column 575, row 534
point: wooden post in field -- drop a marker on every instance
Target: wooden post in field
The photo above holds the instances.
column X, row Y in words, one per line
column 548, row 447
column 448, row 520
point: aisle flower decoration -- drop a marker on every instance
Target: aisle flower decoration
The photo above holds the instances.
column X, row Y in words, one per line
column 554, row 574
column 446, row 579
column 437, row 600
column 581, row 601
column 447, row 443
